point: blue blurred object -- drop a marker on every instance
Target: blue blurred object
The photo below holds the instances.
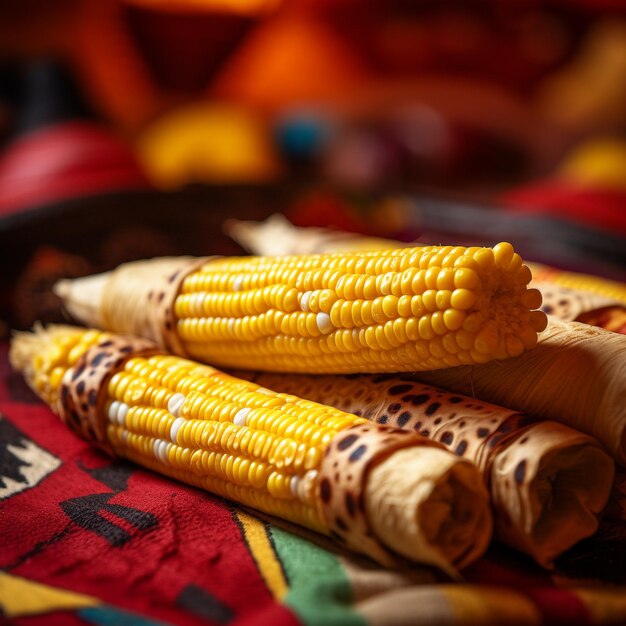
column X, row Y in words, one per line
column 302, row 135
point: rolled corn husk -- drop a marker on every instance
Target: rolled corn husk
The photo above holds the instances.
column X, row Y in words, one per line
column 548, row 483
column 383, row 492
column 278, row 236
column 576, row 375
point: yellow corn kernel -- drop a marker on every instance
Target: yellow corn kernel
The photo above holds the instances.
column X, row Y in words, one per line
column 443, row 299
column 438, row 323
column 453, row 319
column 532, row 298
column 425, row 328
column 429, row 299
column 56, row 375
column 463, row 299
column 503, row 254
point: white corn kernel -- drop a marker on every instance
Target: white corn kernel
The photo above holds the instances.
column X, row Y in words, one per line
column 241, row 416
column 175, row 403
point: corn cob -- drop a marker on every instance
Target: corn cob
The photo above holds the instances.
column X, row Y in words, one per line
column 568, row 296
column 548, row 482
column 391, row 310
column 304, row 462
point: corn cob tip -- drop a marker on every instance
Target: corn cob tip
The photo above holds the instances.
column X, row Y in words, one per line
column 82, row 298
column 22, row 351
column 134, row 299
column 26, row 345
column 42, row 356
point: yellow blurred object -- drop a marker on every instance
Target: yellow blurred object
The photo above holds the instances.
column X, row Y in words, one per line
column 600, row 163
column 207, row 143
column 590, row 92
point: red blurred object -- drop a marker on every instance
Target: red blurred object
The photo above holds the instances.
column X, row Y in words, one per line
column 184, row 49
column 602, row 208
column 326, row 210
column 510, row 43
column 65, row 161
column 137, row 58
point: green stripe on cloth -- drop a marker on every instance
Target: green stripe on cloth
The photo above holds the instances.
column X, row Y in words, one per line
column 319, row 589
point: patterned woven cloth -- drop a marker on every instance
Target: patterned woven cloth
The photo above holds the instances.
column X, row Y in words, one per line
column 88, row 540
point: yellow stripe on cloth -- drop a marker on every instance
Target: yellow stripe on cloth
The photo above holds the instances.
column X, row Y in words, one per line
column 458, row 605
column 582, row 282
column 473, row 604
column 260, row 545
column 19, row 597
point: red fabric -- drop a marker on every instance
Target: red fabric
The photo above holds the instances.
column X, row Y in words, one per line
column 602, row 208
column 559, row 607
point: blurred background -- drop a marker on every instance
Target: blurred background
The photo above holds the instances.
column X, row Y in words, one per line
column 134, row 128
